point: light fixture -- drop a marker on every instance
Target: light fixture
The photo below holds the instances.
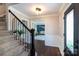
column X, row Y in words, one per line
column 38, row 9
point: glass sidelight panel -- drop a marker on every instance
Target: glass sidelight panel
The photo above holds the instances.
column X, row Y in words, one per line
column 70, row 31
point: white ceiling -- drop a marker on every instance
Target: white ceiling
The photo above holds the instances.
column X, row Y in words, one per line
column 29, row 8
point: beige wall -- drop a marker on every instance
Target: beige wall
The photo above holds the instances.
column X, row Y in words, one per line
column 51, row 25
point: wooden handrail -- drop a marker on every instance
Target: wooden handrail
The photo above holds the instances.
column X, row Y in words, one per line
column 20, row 21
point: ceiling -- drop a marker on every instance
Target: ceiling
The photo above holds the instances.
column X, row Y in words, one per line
column 10, row 4
column 29, row 8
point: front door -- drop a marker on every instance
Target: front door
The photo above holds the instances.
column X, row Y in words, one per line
column 69, row 32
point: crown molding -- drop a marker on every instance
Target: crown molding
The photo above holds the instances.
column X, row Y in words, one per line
column 64, row 7
column 48, row 15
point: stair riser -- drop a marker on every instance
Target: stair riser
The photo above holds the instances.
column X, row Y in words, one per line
column 4, row 34
column 2, row 27
column 4, row 41
column 6, row 37
column 2, row 19
column 2, row 23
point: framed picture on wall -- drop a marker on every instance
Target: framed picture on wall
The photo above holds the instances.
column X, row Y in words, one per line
column 40, row 30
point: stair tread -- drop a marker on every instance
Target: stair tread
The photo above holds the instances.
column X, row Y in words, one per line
column 4, row 37
column 4, row 41
column 4, row 33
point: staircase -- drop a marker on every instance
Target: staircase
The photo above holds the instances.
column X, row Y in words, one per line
column 8, row 45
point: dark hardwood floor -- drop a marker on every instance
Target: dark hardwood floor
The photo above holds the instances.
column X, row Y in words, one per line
column 43, row 50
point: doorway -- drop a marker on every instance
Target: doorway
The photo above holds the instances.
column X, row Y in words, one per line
column 69, row 31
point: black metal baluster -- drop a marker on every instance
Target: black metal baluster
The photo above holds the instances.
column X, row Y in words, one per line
column 12, row 23
column 14, row 28
column 23, row 37
column 25, row 40
column 28, row 45
column 19, row 25
column 20, row 34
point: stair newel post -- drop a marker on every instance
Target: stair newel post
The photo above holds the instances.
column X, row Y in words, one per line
column 32, row 50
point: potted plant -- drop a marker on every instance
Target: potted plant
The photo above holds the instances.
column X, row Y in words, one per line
column 20, row 32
